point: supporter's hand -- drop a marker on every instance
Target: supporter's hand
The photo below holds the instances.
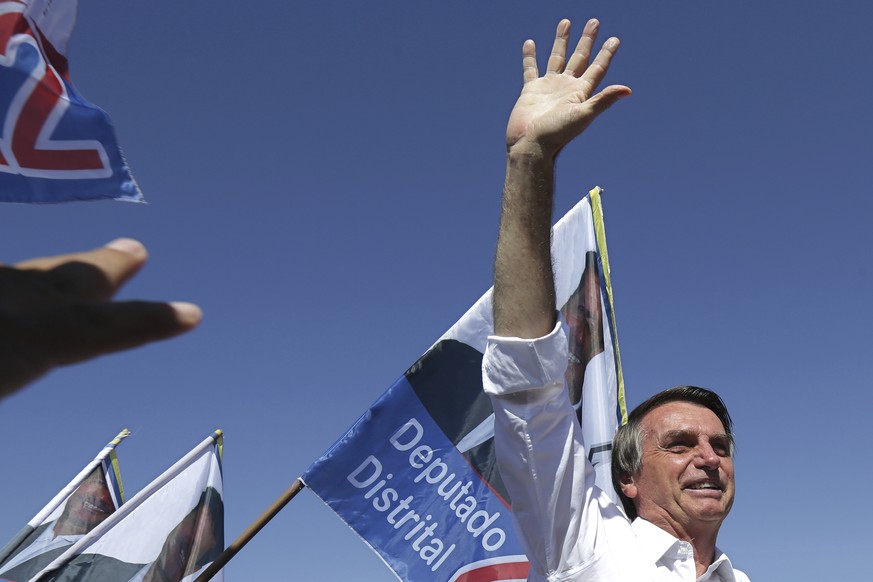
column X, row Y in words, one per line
column 58, row 310
column 555, row 108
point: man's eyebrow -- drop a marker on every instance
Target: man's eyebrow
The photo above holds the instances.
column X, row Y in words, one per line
column 678, row 434
column 682, row 434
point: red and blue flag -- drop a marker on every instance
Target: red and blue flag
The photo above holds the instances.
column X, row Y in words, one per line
column 54, row 145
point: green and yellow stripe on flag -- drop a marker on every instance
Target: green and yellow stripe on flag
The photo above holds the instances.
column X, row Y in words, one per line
column 600, row 234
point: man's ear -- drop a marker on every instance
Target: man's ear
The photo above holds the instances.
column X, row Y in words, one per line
column 628, row 486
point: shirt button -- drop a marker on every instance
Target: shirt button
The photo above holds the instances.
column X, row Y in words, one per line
column 684, row 549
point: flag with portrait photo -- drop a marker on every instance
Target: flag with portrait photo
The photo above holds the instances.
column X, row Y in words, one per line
column 54, row 145
column 92, row 496
column 168, row 532
column 416, row 475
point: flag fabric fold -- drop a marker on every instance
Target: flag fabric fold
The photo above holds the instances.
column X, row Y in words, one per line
column 54, row 145
column 416, row 475
column 168, row 532
column 92, row 496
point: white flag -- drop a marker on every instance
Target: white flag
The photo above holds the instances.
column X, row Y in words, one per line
column 91, row 497
column 169, row 532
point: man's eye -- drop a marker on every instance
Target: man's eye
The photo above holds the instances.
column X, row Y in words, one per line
column 721, row 449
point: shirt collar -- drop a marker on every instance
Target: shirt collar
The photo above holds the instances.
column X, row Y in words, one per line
column 723, row 566
column 657, row 544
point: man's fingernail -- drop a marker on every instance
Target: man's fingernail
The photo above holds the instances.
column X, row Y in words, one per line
column 188, row 313
column 127, row 245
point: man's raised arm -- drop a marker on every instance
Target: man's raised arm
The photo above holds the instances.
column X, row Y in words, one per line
column 550, row 112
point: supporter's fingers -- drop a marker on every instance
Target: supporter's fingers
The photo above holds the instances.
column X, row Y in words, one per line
column 81, row 331
column 92, row 275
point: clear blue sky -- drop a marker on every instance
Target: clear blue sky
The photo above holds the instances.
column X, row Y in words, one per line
column 324, row 180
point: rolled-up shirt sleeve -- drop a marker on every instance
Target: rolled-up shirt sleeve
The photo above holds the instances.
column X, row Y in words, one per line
column 540, row 453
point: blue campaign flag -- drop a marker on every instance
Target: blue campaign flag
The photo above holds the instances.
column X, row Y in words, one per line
column 54, row 145
column 416, row 476
column 400, row 482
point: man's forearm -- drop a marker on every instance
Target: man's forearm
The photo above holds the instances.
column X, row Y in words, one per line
column 524, row 288
column 550, row 112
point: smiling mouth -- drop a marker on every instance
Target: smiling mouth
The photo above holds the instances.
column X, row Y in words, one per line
column 704, row 486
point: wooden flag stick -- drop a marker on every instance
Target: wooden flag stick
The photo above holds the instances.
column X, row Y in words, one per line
column 251, row 531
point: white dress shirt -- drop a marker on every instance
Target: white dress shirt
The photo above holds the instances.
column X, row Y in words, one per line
column 571, row 530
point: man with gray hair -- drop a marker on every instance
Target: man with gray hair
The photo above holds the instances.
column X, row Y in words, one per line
column 672, row 462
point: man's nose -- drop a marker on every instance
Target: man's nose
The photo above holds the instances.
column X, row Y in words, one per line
column 706, row 457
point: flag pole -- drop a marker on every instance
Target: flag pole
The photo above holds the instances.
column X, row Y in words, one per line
column 251, row 531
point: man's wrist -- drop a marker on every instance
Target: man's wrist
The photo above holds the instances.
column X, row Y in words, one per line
column 530, row 151
column 531, row 161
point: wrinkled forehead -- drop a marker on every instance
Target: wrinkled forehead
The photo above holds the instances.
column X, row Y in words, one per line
column 681, row 417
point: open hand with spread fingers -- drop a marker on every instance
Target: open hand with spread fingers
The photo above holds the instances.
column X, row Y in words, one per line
column 555, row 108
